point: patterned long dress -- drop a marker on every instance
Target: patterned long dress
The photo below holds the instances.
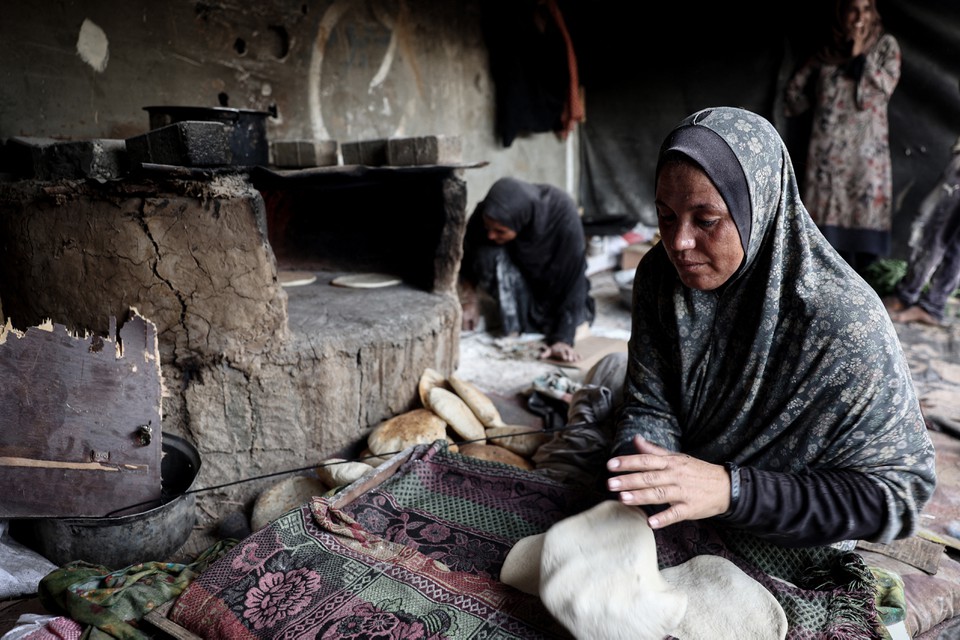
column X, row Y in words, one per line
column 848, row 183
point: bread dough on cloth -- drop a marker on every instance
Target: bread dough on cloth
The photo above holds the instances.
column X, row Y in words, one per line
column 597, row 574
column 366, row 280
column 724, row 602
column 521, row 567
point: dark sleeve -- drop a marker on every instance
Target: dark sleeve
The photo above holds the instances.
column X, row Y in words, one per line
column 807, row 509
column 474, row 237
column 577, row 307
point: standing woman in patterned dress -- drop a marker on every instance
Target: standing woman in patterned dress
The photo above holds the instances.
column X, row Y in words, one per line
column 848, row 83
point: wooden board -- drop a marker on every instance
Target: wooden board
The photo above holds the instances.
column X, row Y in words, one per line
column 80, row 430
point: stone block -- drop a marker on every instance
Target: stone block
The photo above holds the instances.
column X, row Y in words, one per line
column 424, row 150
column 372, row 153
column 51, row 159
column 191, row 143
column 297, row 154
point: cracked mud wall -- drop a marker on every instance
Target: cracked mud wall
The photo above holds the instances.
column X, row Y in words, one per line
column 200, row 269
column 259, row 383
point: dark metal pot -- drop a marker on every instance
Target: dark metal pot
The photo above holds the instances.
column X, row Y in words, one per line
column 247, row 129
column 118, row 542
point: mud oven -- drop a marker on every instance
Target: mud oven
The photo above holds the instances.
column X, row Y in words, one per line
column 261, row 378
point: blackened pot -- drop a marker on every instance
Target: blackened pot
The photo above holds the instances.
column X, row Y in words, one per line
column 117, row 542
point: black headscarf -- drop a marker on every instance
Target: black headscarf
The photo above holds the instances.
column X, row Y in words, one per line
column 549, row 250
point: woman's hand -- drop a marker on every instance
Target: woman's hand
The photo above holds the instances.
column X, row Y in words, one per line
column 559, row 351
column 692, row 488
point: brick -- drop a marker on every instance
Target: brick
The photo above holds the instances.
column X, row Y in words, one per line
column 372, row 153
column 424, row 150
column 401, row 152
column 304, row 153
column 439, row 150
column 191, row 143
column 51, row 159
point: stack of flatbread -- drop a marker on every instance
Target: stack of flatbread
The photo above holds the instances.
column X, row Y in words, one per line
column 456, row 410
column 453, row 409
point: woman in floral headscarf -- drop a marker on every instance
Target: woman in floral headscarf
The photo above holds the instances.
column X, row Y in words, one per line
column 848, row 181
column 765, row 383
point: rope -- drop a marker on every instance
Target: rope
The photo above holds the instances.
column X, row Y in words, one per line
column 569, row 427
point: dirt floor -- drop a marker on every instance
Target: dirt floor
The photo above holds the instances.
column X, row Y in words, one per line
column 505, row 366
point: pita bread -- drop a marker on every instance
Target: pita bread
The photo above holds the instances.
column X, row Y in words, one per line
column 455, row 412
column 599, row 576
column 367, row 456
column 285, row 495
column 428, row 380
column 481, row 405
column 494, row 453
column 336, row 472
column 708, row 582
column 419, row 426
column 520, row 439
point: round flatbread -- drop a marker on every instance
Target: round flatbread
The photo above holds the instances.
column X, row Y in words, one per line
column 296, row 278
column 419, row 426
column 366, row 456
column 282, row 497
column 366, row 280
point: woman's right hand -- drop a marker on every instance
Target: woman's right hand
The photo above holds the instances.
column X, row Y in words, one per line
column 691, row 488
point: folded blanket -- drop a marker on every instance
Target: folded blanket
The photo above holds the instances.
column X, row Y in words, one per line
column 419, row 556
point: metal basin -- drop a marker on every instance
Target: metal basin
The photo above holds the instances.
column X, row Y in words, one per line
column 151, row 535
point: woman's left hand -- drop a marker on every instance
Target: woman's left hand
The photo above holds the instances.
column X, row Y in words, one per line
column 559, row 351
column 693, row 489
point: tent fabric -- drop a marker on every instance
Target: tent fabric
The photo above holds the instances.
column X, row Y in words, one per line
column 643, row 74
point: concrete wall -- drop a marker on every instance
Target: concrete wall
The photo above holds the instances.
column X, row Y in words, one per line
column 343, row 69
